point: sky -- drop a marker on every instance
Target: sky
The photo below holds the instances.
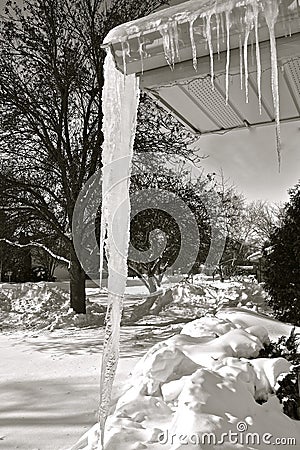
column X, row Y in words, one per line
column 249, row 159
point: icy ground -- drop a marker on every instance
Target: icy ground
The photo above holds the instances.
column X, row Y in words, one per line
column 206, row 378
column 49, row 389
column 49, row 380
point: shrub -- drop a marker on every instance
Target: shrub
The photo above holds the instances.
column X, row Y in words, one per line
column 287, row 388
column 282, row 277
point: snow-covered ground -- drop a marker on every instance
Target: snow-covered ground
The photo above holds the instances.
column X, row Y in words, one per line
column 195, row 378
column 49, row 388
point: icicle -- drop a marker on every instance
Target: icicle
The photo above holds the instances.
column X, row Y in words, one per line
column 257, row 52
column 228, row 24
column 166, row 44
column 211, row 52
column 124, row 58
column 218, row 34
column 222, row 27
column 120, row 100
column 252, row 49
column 141, row 51
column 172, row 45
column 170, row 42
column 290, row 27
column 248, row 27
column 194, row 49
column 247, row 31
column 270, row 9
column 176, row 39
column 241, row 61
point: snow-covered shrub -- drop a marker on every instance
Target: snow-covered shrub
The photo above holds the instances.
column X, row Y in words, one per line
column 288, row 387
column 283, row 263
column 287, row 347
column 288, row 392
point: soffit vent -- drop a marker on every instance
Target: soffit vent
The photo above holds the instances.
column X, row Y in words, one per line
column 213, row 103
column 293, row 68
column 291, row 72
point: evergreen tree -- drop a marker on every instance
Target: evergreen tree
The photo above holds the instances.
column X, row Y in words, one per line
column 283, row 262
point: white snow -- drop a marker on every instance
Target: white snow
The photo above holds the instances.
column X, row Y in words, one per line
column 207, row 379
column 40, row 306
column 244, row 318
column 49, row 387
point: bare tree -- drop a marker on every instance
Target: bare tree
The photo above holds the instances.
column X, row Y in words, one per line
column 51, row 83
column 249, row 224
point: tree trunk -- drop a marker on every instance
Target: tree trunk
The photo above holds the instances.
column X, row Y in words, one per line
column 77, row 286
column 152, row 285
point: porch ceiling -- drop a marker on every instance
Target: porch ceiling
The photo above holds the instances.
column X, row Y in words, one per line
column 191, row 98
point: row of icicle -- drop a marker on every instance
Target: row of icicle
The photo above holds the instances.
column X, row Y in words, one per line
column 219, row 19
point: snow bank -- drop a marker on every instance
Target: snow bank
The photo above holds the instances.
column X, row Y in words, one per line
column 248, row 319
column 206, row 382
column 38, row 306
column 207, row 296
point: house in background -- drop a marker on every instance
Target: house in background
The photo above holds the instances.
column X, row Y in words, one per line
column 258, row 261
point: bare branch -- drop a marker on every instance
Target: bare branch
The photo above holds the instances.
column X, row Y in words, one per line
column 39, row 245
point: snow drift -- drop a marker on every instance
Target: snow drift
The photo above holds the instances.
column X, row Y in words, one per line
column 205, row 383
column 37, row 306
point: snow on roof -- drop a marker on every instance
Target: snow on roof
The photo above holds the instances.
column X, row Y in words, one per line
column 192, row 10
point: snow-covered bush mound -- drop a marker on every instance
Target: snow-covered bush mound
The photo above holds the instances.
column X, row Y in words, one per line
column 206, row 296
column 188, row 301
column 204, row 388
column 38, row 306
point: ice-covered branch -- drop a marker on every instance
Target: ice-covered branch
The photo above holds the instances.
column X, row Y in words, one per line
column 39, row 245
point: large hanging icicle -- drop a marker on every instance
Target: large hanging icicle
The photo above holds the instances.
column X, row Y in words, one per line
column 120, row 101
column 271, row 14
column 248, row 28
column 210, row 46
column 241, row 61
column 257, row 53
column 228, row 24
column 193, row 44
